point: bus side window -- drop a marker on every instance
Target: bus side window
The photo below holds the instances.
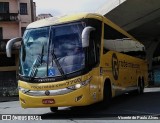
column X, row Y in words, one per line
column 111, row 38
column 95, row 42
column 116, row 41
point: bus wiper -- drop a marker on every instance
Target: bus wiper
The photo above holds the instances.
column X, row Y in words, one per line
column 33, row 69
column 58, row 64
column 36, row 63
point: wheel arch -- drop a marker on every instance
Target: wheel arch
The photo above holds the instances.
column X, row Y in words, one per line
column 107, row 82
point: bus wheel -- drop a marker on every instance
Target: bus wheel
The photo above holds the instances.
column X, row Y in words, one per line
column 54, row 109
column 107, row 94
column 140, row 87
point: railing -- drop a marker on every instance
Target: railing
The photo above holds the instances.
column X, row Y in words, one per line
column 8, row 16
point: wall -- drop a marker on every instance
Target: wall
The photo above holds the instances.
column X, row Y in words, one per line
column 10, row 30
column 26, row 18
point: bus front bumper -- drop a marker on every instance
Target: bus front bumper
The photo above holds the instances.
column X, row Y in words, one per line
column 79, row 97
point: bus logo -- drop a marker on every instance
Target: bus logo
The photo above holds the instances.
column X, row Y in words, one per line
column 115, row 66
column 47, row 93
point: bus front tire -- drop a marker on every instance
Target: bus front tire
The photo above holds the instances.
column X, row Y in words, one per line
column 54, row 109
column 107, row 94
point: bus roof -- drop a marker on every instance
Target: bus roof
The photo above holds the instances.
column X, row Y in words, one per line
column 63, row 19
column 69, row 18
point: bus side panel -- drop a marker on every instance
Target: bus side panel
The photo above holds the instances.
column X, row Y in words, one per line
column 123, row 71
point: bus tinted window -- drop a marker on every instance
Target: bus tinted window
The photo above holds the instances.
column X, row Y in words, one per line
column 111, row 33
column 95, row 42
column 116, row 41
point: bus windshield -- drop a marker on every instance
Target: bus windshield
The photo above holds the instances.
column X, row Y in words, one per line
column 52, row 51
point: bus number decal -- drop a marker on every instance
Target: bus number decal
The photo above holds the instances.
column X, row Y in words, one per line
column 115, row 66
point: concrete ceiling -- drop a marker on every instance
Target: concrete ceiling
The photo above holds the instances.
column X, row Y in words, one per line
column 149, row 30
column 141, row 18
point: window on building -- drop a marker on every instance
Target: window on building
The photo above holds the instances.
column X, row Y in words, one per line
column 22, row 30
column 23, row 9
column 1, row 33
column 4, row 7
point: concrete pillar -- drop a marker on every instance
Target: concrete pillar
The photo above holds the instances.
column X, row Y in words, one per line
column 151, row 46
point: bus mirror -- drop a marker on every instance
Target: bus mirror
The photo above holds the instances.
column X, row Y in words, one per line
column 10, row 44
column 86, row 36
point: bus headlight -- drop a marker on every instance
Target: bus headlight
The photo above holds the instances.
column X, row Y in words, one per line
column 23, row 90
column 80, row 85
column 77, row 86
column 55, row 92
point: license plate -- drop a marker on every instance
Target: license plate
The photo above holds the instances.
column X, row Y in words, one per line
column 48, row 101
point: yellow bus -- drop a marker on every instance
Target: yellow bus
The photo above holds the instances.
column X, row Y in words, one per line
column 77, row 60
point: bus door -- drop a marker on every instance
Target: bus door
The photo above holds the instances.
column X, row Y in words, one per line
column 95, row 84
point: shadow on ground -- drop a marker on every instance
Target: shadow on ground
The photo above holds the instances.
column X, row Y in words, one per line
column 124, row 105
